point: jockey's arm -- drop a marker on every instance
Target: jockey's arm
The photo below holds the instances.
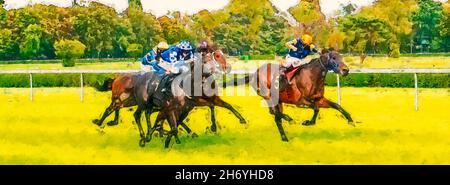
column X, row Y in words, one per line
column 291, row 44
column 313, row 48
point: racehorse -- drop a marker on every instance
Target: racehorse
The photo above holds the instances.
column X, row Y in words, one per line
column 124, row 92
column 305, row 87
column 212, row 56
column 172, row 104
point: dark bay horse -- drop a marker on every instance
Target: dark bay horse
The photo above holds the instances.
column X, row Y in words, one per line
column 305, row 90
column 172, row 104
column 205, row 99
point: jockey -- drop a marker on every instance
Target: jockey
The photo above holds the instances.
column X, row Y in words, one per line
column 175, row 60
column 299, row 49
column 150, row 60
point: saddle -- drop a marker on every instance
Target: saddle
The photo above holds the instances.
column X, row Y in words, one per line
column 289, row 72
column 286, row 77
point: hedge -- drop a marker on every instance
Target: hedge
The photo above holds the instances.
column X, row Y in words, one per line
column 352, row 80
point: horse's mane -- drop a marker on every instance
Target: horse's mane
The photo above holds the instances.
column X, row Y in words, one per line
column 315, row 61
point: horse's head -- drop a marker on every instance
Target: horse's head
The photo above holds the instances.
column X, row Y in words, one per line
column 333, row 60
column 215, row 56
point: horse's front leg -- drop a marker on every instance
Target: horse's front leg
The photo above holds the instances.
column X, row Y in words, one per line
column 219, row 102
column 173, row 130
column 137, row 118
column 116, row 119
column 108, row 111
column 148, row 113
column 325, row 103
column 213, row 119
column 313, row 119
column 278, row 116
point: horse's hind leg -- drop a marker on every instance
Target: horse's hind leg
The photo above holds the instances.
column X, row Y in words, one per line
column 116, row 119
column 137, row 118
column 219, row 102
column 181, row 119
column 325, row 103
column 107, row 112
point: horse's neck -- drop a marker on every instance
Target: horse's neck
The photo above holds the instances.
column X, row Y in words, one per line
column 318, row 71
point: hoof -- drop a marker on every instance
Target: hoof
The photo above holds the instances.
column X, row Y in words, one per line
column 292, row 122
column 96, row 121
column 194, row 135
column 243, row 121
column 351, row 123
column 284, row 139
column 148, row 138
column 142, row 143
column 112, row 123
column 214, row 128
column 177, row 141
column 308, row 123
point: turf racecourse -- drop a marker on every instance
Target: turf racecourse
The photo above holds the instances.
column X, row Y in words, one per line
column 56, row 128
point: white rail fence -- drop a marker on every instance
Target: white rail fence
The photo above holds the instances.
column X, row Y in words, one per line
column 237, row 72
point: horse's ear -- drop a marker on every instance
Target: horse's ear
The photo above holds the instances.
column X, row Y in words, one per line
column 324, row 51
column 331, row 49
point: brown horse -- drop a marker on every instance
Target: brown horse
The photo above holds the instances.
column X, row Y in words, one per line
column 306, row 87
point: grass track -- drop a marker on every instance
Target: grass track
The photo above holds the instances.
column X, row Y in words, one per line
column 56, row 129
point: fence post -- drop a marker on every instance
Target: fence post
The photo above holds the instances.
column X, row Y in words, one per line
column 338, row 89
column 82, row 88
column 31, row 87
column 416, row 98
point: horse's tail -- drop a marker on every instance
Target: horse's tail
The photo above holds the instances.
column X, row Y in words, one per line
column 105, row 86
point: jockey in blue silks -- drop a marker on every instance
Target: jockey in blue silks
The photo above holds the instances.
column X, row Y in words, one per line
column 299, row 49
column 175, row 60
column 150, row 61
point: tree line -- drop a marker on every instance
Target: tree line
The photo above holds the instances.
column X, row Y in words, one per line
column 241, row 28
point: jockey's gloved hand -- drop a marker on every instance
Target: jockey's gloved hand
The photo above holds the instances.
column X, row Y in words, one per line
column 313, row 48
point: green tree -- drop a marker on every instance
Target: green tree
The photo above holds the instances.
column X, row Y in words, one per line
column 426, row 21
column 31, row 44
column 308, row 13
column 172, row 28
column 348, row 9
column 398, row 19
column 135, row 4
column 145, row 28
column 56, row 24
column 134, row 50
column 444, row 27
column 8, row 47
column 68, row 51
column 363, row 32
column 99, row 27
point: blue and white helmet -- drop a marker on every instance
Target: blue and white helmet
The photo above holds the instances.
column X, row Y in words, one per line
column 185, row 45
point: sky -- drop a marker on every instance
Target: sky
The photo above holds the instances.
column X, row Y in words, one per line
column 161, row 7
